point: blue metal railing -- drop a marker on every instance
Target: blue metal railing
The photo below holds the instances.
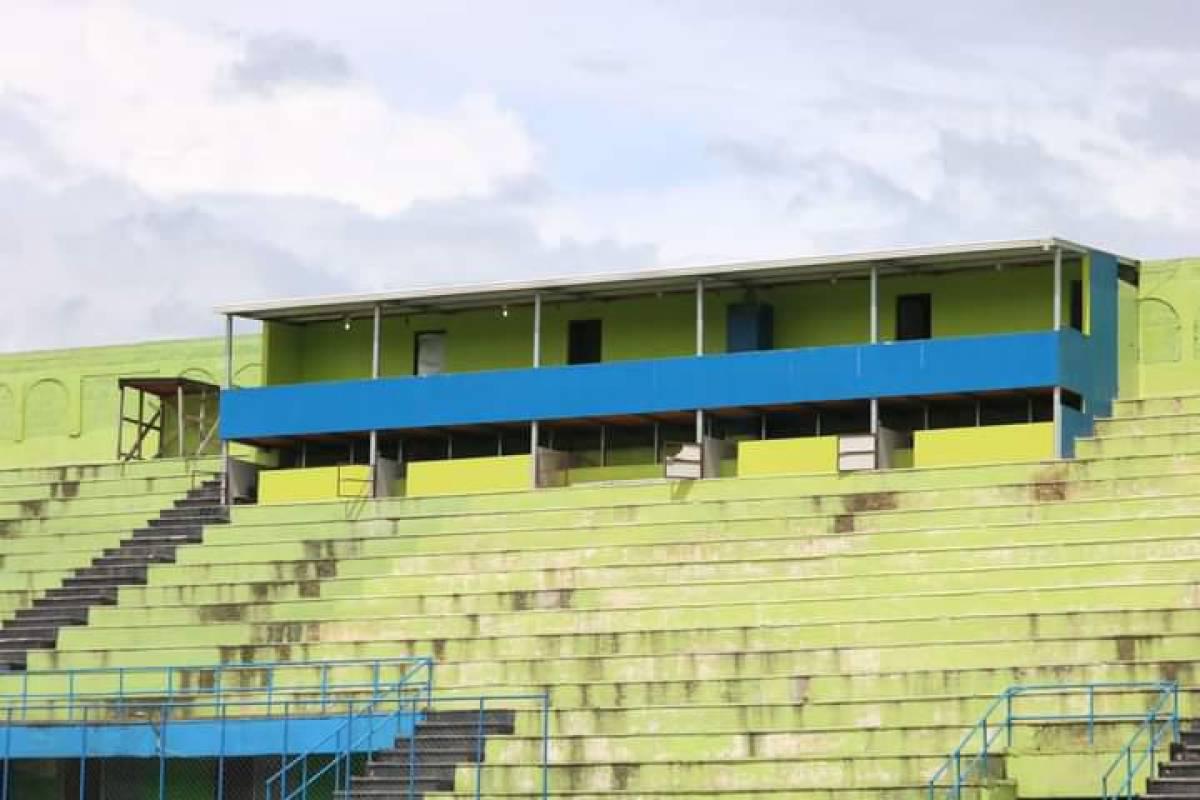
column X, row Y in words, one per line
column 192, row 712
column 970, row 760
column 357, row 738
column 119, row 687
column 1162, row 719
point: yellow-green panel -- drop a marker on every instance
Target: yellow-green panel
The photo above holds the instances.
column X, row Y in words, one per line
column 788, row 456
column 468, row 476
column 60, row 406
column 313, row 484
column 987, row 444
column 1168, row 302
column 616, row 472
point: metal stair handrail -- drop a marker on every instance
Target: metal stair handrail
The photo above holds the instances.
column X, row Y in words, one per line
column 1162, row 718
column 970, row 759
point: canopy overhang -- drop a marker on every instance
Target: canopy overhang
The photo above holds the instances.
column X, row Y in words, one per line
column 747, row 275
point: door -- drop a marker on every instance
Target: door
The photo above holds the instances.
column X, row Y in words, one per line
column 429, row 353
column 583, row 341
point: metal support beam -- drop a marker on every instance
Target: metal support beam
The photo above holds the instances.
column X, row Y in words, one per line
column 226, row 488
column 1058, row 422
column 699, row 351
column 534, row 432
column 874, row 303
column 376, row 339
column 373, row 445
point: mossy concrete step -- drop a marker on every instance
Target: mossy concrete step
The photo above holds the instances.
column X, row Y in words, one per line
column 543, row 585
column 88, row 490
column 630, row 498
column 847, row 514
column 691, row 594
column 849, row 492
column 1148, row 425
column 1116, row 447
column 38, row 517
column 746, row 774
column 861, row 658
column 398, row 543
column 658, row 631
column 846, row 742
column 676, row 545
column 917, row 791
column 1154, row 406
column 1035, row 602
column 108, row 470
column 716, row 661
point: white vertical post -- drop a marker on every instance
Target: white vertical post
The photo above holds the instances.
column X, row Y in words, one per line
column 700, row 351
column 874, row 338
column 1058, row 288
column 534, row 431
column 226, row 461
column 228, row 351
column 373, row 445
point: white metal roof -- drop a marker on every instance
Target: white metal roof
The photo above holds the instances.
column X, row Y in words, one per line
column 608, row 285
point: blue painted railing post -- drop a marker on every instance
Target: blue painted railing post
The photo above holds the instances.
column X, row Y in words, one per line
column 221, row 758
column 162, row 748
column 1175, row 712
column 412, row 751
column 1008, row 717
column 283, row 762
column 83, row 732
column 1091, row 714
column 983, row 749
column 7, row 754
column 479, row 749
column 324, row 686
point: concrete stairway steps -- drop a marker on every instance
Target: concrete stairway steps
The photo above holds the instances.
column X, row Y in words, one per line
column 428, row 762
column 69, row 605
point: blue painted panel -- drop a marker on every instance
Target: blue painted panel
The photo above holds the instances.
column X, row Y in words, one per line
column 933, row 366
column 1074, row 425
column 198, row 738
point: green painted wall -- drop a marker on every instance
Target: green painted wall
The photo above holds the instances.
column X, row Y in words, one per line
column 60, row 406
column 1169, row 327
column 807, row 314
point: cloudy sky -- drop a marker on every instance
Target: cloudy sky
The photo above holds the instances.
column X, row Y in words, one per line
column 158, row 158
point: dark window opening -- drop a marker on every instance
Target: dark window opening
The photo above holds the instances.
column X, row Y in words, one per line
column 1076, row 320
column 583, row 341
column 914, row 316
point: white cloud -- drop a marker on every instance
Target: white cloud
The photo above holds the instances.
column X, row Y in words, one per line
column 163, row 106
column 370, row 144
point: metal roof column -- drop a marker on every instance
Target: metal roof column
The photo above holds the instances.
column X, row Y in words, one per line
column 537, row 362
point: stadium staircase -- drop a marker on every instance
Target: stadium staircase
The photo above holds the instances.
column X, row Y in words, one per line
column 63, row 516
column 428, row 761
column 812, row 637
column 1180, row 776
